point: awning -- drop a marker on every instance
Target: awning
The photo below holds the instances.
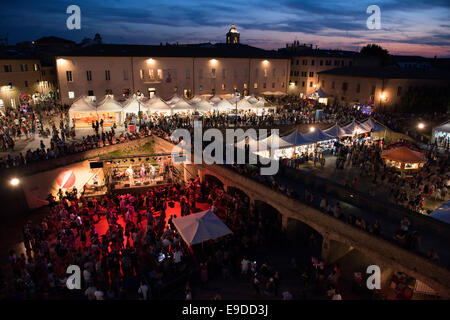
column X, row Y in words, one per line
column 371, row 125
column 200, row 227
column 442, row 213
column 109, row 104
column 319, row 93
column 354, row 128
column 404, row 154
column 82, row 104
column 336, row 131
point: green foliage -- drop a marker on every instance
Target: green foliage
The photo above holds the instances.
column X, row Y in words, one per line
column 426, row 100
column 374, row 50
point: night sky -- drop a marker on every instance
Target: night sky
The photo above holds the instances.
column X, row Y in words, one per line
column 407, row 26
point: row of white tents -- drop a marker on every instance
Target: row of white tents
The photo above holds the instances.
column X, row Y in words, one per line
column 176, row 104
column 297, row 138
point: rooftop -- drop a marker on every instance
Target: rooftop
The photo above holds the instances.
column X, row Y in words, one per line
column 218, row 50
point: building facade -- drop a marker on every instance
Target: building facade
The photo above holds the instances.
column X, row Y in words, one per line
column 165, row 70
column 20, row 76
column 307, row 62
column 381, row 87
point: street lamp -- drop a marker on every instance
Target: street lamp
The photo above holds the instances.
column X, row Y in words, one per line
column 382, row 97
column 14, row 182
column 421, row 125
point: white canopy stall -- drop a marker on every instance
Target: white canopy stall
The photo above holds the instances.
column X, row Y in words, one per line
column 203, row 106
column 182, row 106
column 223, row 106
column 158, row 106
column 82, row 112
column 175, row 98
column 110, row 110
column 132, row 107
column 215, row 99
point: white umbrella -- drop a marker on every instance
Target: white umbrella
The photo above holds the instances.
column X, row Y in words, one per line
column 199, row 227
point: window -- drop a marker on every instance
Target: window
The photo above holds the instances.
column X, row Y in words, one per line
column 245, row 85
column 69, row 76
column 342, row 63
column 265, row 73
column 296, row 82
column 311, row 74
column 303, row 83
column 36, row 67
column 264, row 85
column 108, row 92
column 43, row 72
column 305, row 62
column 312, row 62
column 224, row 73
column 7, row 68
column 282, row 84
column 273, row 84
column 141, row 74
column 151, row 74
column 372, row 92
column 213, row 72
column 332, row 85
column 336, row 62
column 200, row 88
column 24, row 67
column 125, row 74
column 358, row 88
column 399, row 91
column 160, row 74
column 256, row 72
column 321, row 62
column 344, row 86
column 292, row 73
column 328, row 62
column 188, row 74
column 223, row 86
column 255, row 85
column 89, row 75
column 26, row 83
column 310, row 84
column 90, row 93
column 296, row 62
column 107, row 75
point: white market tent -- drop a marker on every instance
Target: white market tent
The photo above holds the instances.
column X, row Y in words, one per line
column 243, row 104
column 200, row 227
column 203, row 106
column 223, row 105
column 110, row 110
column 196, row 99
column 441, row 130
column 234, row 99
column 82, row 108
column 252, row 99
column 336, row 131
column 181, row 106
column 442, row 213
column 173, row 100
column 215, row 99
column 354, row 128
column 372, row 125
column 133, row 105
column 157, row 105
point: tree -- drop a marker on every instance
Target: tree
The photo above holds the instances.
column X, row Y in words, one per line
column 374, row 50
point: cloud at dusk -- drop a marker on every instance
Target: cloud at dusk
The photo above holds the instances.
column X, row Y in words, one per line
column 407, row 27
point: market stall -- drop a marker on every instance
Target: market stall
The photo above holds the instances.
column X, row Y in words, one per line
column 110, row 111
column 82, row 112
column 441, row 134
column 404, row 158
column 132, row 106
column 157, row 106
column 182, row 106
column 175, row 98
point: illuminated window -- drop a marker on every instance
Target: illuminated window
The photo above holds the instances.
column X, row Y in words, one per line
column 265, row 73
column 213, row 72
column 71, row 95
column 141, row 74
column 245, row 86
column 160, row 74
column 36, row 67
column 255, row 85
column 200, row 88
column 151, row 73
column 223, row 86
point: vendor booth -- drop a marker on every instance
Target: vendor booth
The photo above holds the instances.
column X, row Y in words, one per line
column 82, row 113
column 110, row 111
column 173, row 100
column 200, row 227
column 320, row 96
column 215, row 99
column 336, row 131
column 203, row 106
column 404, row 158
column 441, row 134
column 157, row 106
column 182, row 106
column 442, row 213
column 132, row 107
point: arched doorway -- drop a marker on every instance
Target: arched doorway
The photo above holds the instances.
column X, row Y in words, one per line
column 301, row 235
column 270, row 222
column 213, row 180
column 238, row 193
